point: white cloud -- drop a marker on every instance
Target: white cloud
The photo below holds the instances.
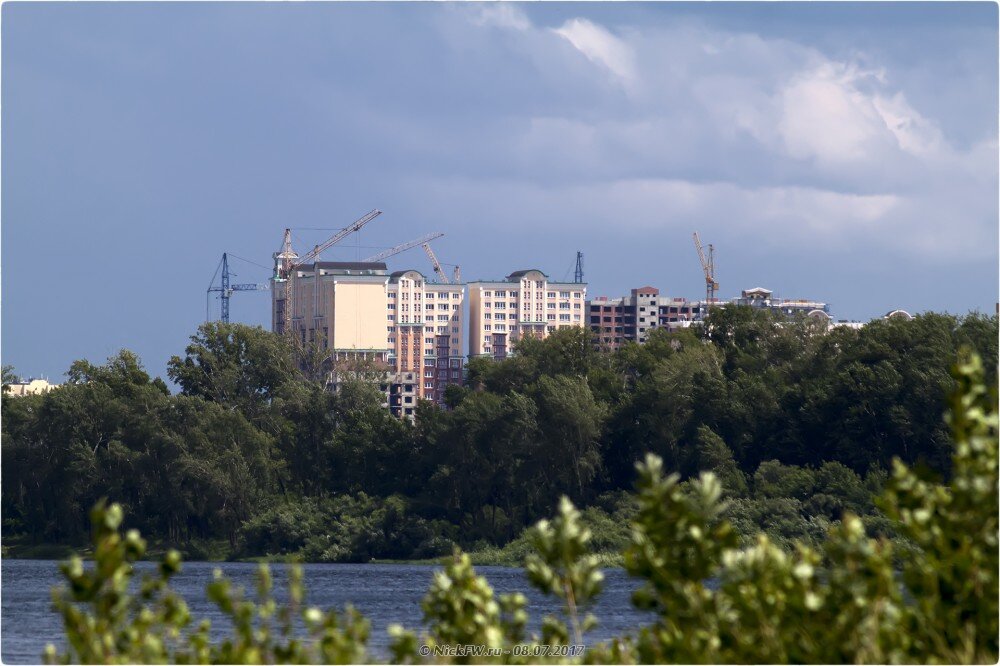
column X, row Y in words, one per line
column 501, row 15
column 600, row 46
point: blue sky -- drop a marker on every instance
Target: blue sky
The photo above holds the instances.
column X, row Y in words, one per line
column 836, row 151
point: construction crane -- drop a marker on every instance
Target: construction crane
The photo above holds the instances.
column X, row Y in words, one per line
column 385, row 254
column 226, row 289
column 708, row 266
column 578, row 274
column 286, row 261
column 437, row 264
column 456, row 276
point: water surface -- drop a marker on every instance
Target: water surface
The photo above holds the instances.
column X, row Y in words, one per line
column 385, row 593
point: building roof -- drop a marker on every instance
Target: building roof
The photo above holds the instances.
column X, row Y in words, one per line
column 350, row 265
column 398, row 274
column 757, row 290
column 647, row 290
column 517, row 275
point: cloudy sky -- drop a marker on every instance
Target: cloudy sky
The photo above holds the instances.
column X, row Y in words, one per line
column 840, row 152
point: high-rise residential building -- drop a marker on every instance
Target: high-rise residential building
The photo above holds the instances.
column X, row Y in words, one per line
column 424, row 333
column 409, row 327
column 341, row 304
column 633, row 318
column 523, row 304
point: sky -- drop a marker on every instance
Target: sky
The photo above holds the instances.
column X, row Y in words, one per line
column 839, row 152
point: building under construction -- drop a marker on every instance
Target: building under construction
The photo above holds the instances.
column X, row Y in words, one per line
column 403, row 327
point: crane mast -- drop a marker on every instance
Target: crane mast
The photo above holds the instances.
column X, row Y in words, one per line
column 437, row 264
column 708, row 267
column 226, row 289
column 286, row 261
column 402, row 247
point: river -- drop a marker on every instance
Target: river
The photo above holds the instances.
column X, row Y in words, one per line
column 385, row 593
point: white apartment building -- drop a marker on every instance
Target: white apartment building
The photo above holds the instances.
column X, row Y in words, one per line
column 525, row 303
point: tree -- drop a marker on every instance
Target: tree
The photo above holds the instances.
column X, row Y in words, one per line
column 241, row 367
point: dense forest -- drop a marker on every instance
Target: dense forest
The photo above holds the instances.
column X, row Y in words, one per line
column 253, row 456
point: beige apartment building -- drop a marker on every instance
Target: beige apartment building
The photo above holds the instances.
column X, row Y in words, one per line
column 340, row 303
column 525, row 303
column 359, row 310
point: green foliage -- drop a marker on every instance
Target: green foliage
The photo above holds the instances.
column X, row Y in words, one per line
column 798, row 424
column 346, row 529
column 838, row 602
column 562, row 565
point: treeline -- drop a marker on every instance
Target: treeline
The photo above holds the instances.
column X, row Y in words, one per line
column 255, row 452
column 849, row 601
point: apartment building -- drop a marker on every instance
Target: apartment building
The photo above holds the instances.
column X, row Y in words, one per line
column 410, row 328
column 423, row 324
column 525, row 303
column 633, row 318
column 339, row 303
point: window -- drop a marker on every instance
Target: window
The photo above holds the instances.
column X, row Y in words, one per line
column 577, row 306
column 456, row 295
column 501, row 327
column 487, row 316
column 564, row 306
column 429, row 306
column 428, row 385
column 551, row 317
column 392, row 306
column 488, row 327
column 392, row 294
column 552, row 294
column 486, row 304
column 430, row 294
column 441, row 306
column 563, row 294
column 391, row 329
column 576, row 294
column 455, row 307
column 429, row 341
column 486, row 294
column 564, row 317
column 501, row 294
column 442, row 329
column 392, row 317
column 487, row 338
column 550, row 306
column 500, row 315
column 501, row 305
column 443, row 317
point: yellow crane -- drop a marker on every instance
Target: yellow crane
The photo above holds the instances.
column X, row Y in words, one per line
column 708, row 267
column 286, row 261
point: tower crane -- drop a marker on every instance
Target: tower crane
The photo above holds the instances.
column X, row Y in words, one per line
column 578, row 273
column 286, row 261
column 402, row 247
column 437, row 264
column 708, row 267
column 226, row 288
